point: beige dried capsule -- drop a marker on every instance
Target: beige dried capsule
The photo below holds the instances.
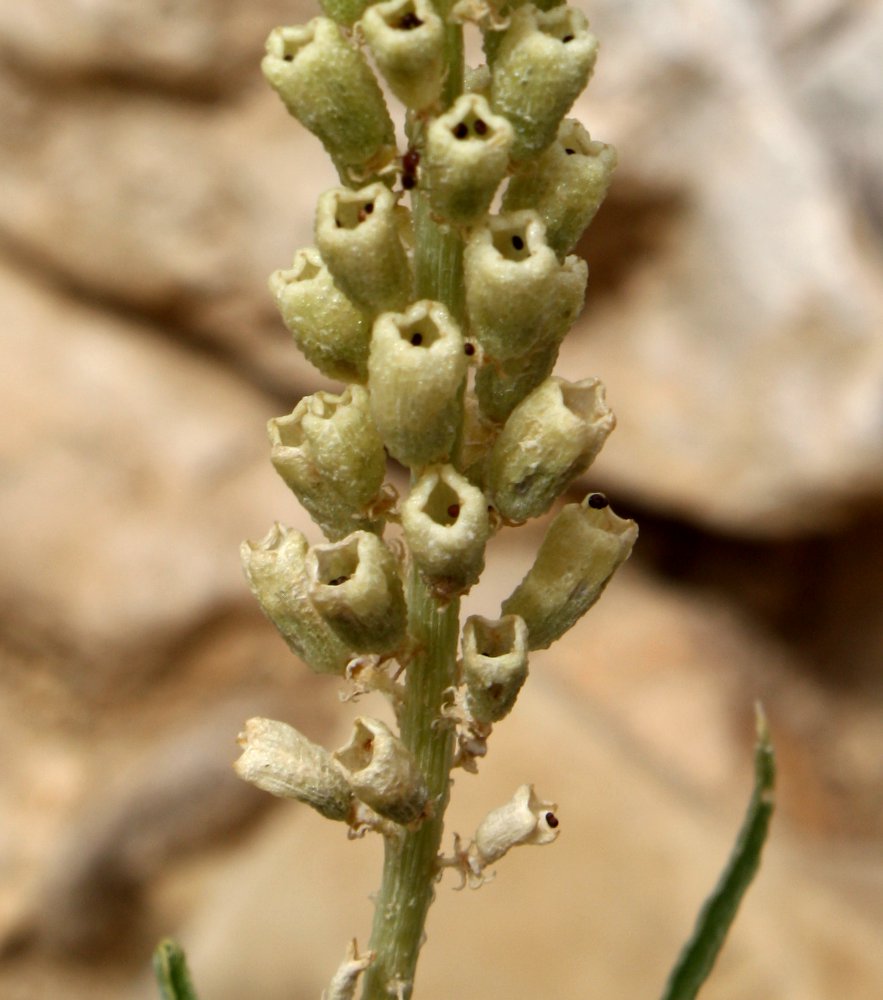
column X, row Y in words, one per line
column 543, row 62
column 330, row 454
column 416, row 371
column 333, row 334
column 465, row 159
column 583, row 548
column 519, row 297
column 526, row 819
column 445, row 520
column 356, row 587
column 494, row 665
column 406, row 38
column 326, row 83
column 565, row 185
column 551, row 437
column 283, row 762
column 382, row 772
column 358, row 235
column 276, row 573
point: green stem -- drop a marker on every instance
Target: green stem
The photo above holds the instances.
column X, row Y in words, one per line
column 410, row 864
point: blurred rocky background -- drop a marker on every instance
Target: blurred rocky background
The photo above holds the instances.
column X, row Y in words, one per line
column 149, row 183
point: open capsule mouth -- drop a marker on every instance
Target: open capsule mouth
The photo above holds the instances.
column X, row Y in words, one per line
column 560, row 25
column 403, row 17
column 352, row 213
column 512, row 242
column 337, row 564
column 494, row 639
column 443, row 504
column 422, row 332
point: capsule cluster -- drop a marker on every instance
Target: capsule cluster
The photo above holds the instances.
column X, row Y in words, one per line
column 461, row 393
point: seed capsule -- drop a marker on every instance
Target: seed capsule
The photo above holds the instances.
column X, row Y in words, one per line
column 406, row 38
column 416, row 369
column 526, row 819
column 326, row 83
column 283, row 762
column 494, row 665
column 582, row 550
column 550, row 438
column 543, row 62
column 382, row 772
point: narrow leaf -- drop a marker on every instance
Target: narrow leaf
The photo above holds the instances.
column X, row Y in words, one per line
column 719, row 910
column 170, row 969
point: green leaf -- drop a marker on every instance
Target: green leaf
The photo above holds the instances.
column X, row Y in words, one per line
column 172, row 975
column 719, row 911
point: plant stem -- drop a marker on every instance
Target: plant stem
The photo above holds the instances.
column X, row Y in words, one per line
column 410, row 864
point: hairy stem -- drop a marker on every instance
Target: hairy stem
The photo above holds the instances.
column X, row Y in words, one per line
column 410, row 863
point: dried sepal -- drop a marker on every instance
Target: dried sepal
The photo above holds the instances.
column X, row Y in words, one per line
column 283, row 762
column 525, row 819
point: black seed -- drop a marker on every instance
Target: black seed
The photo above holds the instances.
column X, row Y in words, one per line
column 416, row 339
column 480, row 127
column 570, row 152
column 454, row 510
column 337, row 581
column 469, row 350
column 408, row 182
column 369, row 208
column 518, row 242
column 552, row 820
column 567, row 38
column 461, row 130
column 288, row 57
column 408, row 21
column 597, row 501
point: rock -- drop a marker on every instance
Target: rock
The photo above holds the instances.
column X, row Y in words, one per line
column 202, row 46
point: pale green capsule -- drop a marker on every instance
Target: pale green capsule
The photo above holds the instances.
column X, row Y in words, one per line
column 356, row 587
column 406, row 38
column 465, row 159
column 494, row 665
column 333, row 334
column 330, row 455
column 276, row 573
column 583, row 547
column 327, row 84
column 446, row 525
column 565, row 184
column 416, row 371
column 500, row 387
column 543, row 62
column 551, row 437
column 358, row 234
column 519, row 296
